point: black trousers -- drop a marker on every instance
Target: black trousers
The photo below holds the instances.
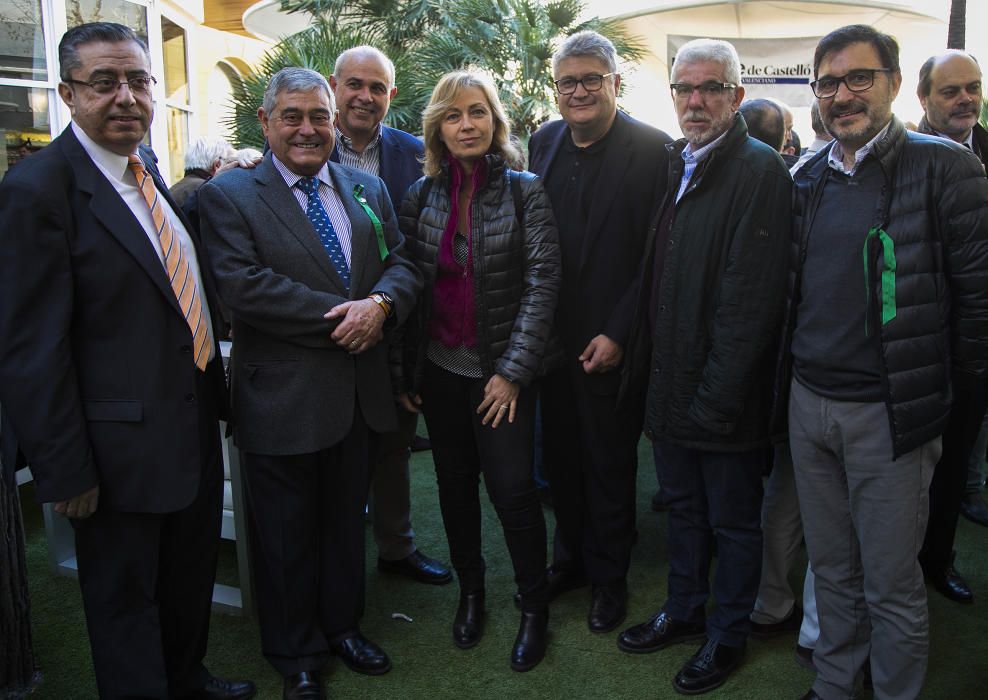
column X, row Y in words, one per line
column 590, row 448
column 147, row 585
column 307, row 547
column 462, row 449
column 950, row 476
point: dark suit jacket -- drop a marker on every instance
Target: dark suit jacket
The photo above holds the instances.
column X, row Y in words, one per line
column 401, row 163
column 294, row 390
column 96, row 370
column 630, row 185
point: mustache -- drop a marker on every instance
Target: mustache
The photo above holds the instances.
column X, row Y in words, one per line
column 694, row 116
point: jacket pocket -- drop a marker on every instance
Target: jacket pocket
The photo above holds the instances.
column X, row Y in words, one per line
column 114, row 410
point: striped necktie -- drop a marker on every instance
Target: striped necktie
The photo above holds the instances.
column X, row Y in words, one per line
column 177, row 266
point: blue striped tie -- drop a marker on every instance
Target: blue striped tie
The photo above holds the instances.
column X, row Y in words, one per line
column 324, row 228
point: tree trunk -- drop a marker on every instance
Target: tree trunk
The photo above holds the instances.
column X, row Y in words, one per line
column 957, row 25
column 17, row 669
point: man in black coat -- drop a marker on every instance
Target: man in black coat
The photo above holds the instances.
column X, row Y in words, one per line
column 713, row 281
column 950, row 92
column 110, row 374
column 604, row 173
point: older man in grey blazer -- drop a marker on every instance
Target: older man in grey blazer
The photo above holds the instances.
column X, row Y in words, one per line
column 308, row 257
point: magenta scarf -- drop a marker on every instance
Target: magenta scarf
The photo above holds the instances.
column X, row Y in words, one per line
column 454, row 316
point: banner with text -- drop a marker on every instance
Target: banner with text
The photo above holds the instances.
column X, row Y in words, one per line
column 779, row 68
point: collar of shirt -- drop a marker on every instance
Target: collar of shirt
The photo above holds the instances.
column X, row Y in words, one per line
column 693, row 158
column 291, row 179
column 969, row 141
column 347, row 143
column 835, row 159
column 697, row 156
column 112, row 164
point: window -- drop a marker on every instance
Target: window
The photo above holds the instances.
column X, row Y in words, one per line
column 22, row 41
column 176, row 79
column 24, row 123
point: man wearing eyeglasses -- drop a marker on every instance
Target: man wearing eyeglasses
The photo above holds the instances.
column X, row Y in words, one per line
column 111, row 375
column 308, row 257
column 712, row 283
column 887, row 321
column 604, row 172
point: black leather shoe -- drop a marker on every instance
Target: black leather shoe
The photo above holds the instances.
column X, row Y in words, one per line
column 657, row 633
column 468, row 625
column 529, row 648
column 974, row 508
column 804, row 657
column 708, row 668
column 303, row 686
column 607, row 609
column 223, row 689
column 362, row 655
column 790, row 624
column 950, row 583
column 559, row 581
column 811, row 695
column 419, row 567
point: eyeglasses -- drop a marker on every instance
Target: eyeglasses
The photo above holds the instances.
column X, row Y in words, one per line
column 708, row 89
column 104, row 86
column 319, row 119
column 590, row 83
column 856, row 81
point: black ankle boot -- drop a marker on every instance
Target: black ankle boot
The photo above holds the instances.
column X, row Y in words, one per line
column 468, row 625
column 529, row 648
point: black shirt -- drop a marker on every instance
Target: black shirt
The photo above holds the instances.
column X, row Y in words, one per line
column 571, row 184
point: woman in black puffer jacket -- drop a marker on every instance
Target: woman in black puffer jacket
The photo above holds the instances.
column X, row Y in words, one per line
column 485, row 241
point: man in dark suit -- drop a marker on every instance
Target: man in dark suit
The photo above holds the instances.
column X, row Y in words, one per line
column 363, row 83
column 950, row 91
column 308, row 257
column 111, row 377
column 604, row 173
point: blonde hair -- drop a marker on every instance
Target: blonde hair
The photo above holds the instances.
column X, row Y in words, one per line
column 445, row 93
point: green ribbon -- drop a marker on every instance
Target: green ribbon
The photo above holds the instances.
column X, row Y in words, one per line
column 382, row 246
column 888, row 276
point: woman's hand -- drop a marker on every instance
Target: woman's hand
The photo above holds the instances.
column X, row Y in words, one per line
column 500, row 400
column 410, row 402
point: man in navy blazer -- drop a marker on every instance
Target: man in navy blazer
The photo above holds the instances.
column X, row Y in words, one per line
column 604, row 173
column 308, row 258
column 116, row 414
column 363, row 82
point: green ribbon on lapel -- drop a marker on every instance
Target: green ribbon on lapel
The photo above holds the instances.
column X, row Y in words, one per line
column 382, row 246
column 888, row 276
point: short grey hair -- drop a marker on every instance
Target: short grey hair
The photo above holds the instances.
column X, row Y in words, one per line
column 295, row 79
column 587, row 43
column 715, row 50
column 362, row 51
column 203, row 152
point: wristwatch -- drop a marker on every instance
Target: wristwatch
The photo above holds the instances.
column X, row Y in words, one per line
column 384, row 301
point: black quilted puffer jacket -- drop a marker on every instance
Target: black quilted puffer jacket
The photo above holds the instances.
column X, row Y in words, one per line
column 934, row 206
column 516, row 274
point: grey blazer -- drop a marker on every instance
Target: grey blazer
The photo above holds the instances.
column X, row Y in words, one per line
column 293, row 389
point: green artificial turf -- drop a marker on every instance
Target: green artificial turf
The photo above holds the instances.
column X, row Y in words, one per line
column 579, row 664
